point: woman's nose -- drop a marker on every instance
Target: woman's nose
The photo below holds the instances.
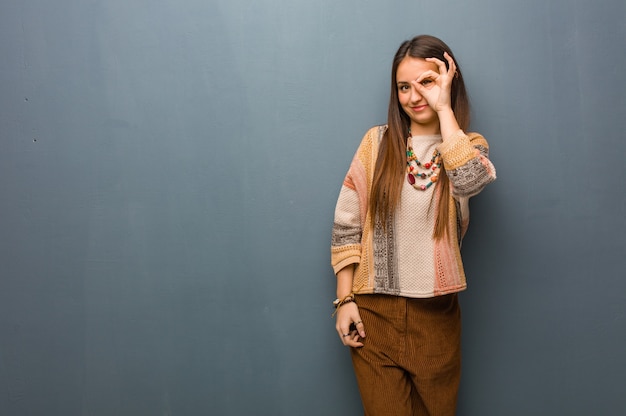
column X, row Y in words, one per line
column 415, row 95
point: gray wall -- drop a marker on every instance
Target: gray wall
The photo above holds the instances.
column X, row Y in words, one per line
column 168, row 174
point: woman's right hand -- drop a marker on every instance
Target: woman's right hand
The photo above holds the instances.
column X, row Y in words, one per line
column 348, row 314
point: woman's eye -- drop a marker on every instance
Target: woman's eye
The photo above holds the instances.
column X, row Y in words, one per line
column 426, row 82
column 403, row 88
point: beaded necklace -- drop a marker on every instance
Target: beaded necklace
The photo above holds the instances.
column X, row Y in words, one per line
column 413, row 166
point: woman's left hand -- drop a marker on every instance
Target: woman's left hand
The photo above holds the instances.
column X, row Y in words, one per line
column 435, row 87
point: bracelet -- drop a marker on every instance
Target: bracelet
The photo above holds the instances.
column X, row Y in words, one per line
column 337, row 303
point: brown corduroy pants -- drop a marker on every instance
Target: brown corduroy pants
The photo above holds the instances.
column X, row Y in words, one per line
column 410, row 363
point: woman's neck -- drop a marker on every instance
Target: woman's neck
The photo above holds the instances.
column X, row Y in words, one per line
column 424, row 130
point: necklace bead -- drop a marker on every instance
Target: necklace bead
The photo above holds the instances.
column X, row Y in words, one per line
column 413, row 164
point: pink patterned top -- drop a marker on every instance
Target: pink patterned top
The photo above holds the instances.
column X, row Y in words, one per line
column 405, row 260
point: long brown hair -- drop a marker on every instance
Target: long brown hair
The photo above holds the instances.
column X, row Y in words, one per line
column 391, row 162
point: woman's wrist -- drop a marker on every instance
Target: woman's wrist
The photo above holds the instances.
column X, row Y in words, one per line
column 339, row 302
column 447, row 123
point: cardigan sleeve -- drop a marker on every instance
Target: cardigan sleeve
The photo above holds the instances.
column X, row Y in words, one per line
column 351, row 208
column 466, row 160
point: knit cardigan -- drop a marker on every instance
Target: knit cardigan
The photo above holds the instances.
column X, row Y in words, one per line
column 371, row 248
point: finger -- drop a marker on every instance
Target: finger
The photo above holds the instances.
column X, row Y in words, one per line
column 443, row 70
column 431, row 75
column 345, row 338
column 436, row 60
column 440, row 64
column 358, row 324
column 353, row 341
column 451, row 63
column 451, row 71
column 426, row 85
column 350, row 337
column 344, row 333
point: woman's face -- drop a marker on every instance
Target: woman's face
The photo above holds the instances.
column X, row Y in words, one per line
column 424, row 119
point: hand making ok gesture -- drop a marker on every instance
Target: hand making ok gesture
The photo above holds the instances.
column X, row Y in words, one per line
column 435, row 87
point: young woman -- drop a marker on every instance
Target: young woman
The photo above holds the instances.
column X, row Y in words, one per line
column 400, row 217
